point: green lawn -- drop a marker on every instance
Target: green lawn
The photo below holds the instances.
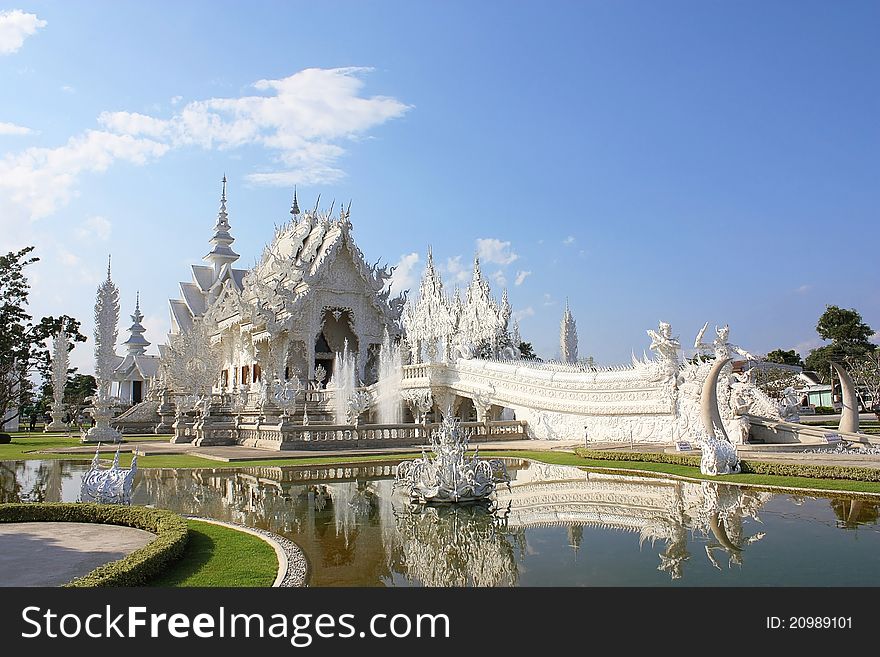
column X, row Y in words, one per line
column 220, row 556
column 567, row 458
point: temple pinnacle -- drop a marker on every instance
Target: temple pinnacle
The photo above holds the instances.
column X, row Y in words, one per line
column 294, row 209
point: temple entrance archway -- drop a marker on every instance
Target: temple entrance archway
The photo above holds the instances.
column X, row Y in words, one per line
column 337, row 327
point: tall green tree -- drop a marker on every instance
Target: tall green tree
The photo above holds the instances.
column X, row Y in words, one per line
column 24, row 351
column 784, row 357
column 849, row 336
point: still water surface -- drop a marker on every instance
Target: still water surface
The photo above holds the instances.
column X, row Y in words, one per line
column 557, row 526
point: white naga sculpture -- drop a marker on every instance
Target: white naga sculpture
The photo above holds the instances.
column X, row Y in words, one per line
column 106, row 321
column 108, row 486
column 60, row 363
column 450, row 476
column 568, row 337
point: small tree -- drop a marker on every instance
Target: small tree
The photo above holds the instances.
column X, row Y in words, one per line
column 784, row 357
column 849, row 336
column 865, row 371
column 23, row 348
column 527, row 351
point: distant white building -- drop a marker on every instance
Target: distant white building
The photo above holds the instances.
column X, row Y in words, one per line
column 135, row 370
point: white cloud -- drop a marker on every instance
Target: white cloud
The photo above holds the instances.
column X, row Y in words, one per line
column 499, row 278
column 67, row 258
column 39, row 180
column 520, row 315
column 15, row 27
column 456, row 271
column 548, row 300
column 95, row 227
column 568, row 241
column 300, row 121
column 405, row 276
column 521, row 276
column 175, row 100
column 803, row 289
column 12, row 129
column 495, row 251
column 66, row 88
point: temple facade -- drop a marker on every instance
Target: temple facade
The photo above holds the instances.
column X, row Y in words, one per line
column 310, row 294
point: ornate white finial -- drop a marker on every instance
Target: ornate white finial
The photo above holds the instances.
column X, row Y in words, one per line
column 108, row 266
column 294, row 209
column 223, row 194
column 568, row 340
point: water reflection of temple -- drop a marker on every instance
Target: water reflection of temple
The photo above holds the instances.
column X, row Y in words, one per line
column 658, row 509
column 356, row 531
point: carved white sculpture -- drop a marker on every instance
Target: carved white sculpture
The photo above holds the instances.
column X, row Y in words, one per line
column 719, row 455
column 449, row 476
column 106, row 332
column 721, row 346
column 108, row 486
column 60, row 364
column 568, row 337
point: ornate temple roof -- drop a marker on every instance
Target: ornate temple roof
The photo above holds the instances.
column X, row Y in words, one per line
column 208, row 280
column 295, row 262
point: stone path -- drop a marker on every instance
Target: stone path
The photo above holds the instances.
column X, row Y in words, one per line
column 54, row 553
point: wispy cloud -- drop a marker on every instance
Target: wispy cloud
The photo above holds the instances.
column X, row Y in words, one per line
column 803, row 289
column 568, row 241
column 15, row 27
column 495, row 251
column 520, row 315
column 549, row 300
column 66, row 88
column 13, row 129
column 499, row 278
column 405, row 276
column 95, row 227
column 521, row 276
column 456, row 272
column 302, row 120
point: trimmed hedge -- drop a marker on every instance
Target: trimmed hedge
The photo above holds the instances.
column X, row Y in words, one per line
column 137, row 568
column 853, row 473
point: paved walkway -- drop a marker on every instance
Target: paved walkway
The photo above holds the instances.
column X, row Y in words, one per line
column 54, row 553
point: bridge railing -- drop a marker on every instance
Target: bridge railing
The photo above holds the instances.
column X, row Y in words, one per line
column 331, row 436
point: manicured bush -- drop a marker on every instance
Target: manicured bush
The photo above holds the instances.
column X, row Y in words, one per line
column 814, row 471
column 5, row 439
column 825, row 410
column 139, row 567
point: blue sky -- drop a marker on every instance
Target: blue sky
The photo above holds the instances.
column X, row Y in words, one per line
column 683, row 161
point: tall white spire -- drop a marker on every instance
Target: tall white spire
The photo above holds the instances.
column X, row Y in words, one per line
column 568, row 337
column 137, row 344
column 221, row 253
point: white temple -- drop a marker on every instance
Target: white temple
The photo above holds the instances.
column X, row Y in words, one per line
column 135, row 369
column 251, row 352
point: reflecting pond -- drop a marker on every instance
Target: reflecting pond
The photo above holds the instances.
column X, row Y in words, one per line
column 556, row 526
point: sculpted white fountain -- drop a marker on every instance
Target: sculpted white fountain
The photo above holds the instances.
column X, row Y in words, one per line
column 108, row 486
column 450, row 476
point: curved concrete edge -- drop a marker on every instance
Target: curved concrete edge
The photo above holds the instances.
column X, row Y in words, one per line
column 287, row 576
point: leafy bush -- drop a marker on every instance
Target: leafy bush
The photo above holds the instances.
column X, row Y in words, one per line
column 815, row 471
column 137, row 568
column 825, row 410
